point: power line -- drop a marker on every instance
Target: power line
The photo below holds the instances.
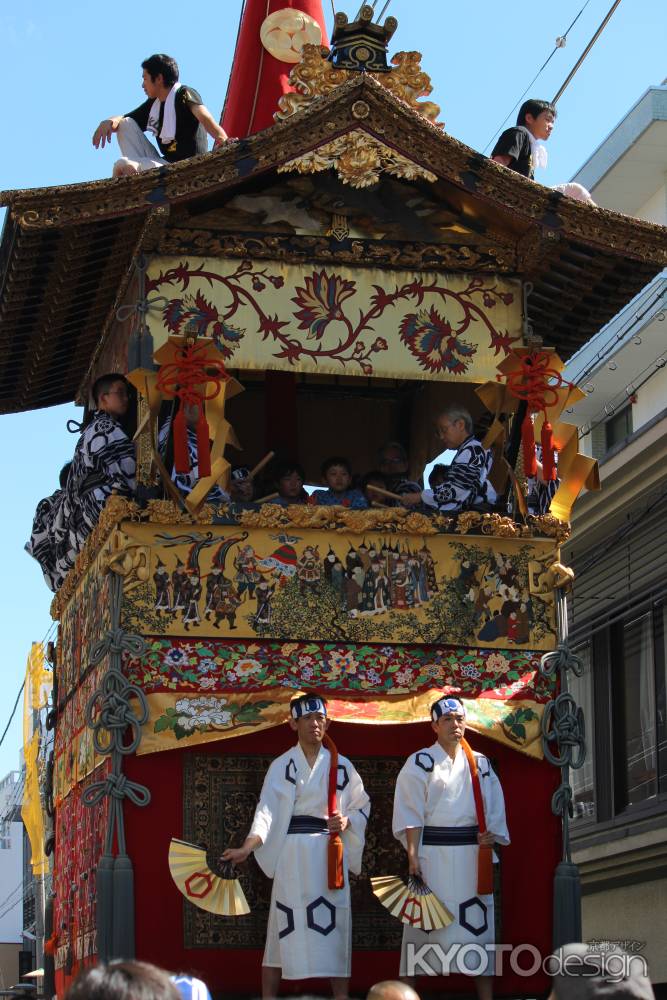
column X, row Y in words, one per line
column 560, row 43
column 613, row 341
column 13, row 713
column 587, row 50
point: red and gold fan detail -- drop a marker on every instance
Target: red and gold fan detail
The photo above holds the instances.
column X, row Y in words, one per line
column 412, row 902
column 191, row 873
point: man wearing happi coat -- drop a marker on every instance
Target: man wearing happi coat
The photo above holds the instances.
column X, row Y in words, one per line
column 449, row 811
column 104, row 463
column 293, row 835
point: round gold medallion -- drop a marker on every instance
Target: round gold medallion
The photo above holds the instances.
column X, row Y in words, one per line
column 360, row 109
column 285, row 32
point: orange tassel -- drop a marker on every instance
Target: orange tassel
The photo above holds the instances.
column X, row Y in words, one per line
column 335, row 876
column 203, row 445
column 528, row 444
column 50, row 944
column 549, row 472
column 485, row 856
column 336, row 879
column 181, row 454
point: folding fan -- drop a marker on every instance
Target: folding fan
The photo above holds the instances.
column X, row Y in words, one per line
column 411, row 901
column 192, row 874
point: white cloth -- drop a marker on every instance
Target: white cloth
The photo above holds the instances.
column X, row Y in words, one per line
column 310, row 926
column 136, row 148
column 434, row 790
column 538, row 152
column 168, row 130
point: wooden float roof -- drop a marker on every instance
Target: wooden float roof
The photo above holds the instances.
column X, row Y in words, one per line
column 66, row 252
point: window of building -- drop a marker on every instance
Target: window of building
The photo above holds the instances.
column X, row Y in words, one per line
column 623, row 693
column 582, row 779
column 618, row 427
column 634, row 712
column 5, row 836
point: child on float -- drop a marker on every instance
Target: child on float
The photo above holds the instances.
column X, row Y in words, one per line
column 521, row 148
column 289, row 478
column 337, row 474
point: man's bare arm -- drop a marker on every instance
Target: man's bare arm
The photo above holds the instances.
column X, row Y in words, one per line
column 413, row 836
column 238, row 855
column 502, row 158
column 104, row 131
column 203, row 115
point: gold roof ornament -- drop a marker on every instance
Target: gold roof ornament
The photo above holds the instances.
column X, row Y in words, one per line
column 314, row 76
column 361, row 45
column 359, row 159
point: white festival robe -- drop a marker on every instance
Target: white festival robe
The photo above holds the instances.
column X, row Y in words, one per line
column 309, row 931
column 434, row 790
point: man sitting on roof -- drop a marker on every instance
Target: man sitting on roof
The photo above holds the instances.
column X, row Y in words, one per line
column 520, row 148
column 465, row 484
column 104, row 463
column 173, row 113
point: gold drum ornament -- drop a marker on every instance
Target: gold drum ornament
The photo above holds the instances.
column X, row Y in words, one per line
column 285, row 32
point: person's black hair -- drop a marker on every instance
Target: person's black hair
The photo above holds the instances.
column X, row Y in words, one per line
column 161, row 63
column 534, row 108
column 104, row 383
column 287, row 468
column 335, row 460
column 64, row 473
column 123, row 981
column 436, row 473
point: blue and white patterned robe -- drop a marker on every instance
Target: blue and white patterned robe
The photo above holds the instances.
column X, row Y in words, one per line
column 466, row 485
column 104, row 462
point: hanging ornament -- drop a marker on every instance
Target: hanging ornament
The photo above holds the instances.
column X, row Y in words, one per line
column 535, row 381
column 192, row 377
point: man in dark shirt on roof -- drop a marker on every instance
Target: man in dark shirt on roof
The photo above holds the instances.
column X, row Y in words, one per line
column 172, row 112
column 520, row 148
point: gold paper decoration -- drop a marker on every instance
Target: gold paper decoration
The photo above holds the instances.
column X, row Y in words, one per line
column 285, row 32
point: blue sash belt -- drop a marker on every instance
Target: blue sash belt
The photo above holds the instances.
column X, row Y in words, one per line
column 307, row 824
column 449, row 836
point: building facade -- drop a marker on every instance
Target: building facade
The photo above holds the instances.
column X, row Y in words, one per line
column 11, row 877
column 619, row 552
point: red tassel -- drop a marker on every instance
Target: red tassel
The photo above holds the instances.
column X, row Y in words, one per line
column 485, row 855
column 335, row 876
column 203, row 445
column 549, row 472
column 181, row 454
column 51, row 944
column 528, row 444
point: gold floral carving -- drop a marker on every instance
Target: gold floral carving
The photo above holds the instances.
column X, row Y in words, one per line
column 315, row 76
column 128, row 559
column 546, row 579
column 429, row 256
column 547, row 524
column 359, row 159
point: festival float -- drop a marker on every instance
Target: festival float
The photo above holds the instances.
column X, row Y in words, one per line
column 322, row 284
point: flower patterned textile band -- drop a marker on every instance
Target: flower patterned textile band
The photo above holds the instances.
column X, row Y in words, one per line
column 440, row 326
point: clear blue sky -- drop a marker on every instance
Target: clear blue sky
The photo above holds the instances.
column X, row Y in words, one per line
column 65, row 66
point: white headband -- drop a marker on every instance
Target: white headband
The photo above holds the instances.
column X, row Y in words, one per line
column 447, row 706
column 306, row 706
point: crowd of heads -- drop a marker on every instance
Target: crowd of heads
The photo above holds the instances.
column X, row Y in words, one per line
column 577, row 970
